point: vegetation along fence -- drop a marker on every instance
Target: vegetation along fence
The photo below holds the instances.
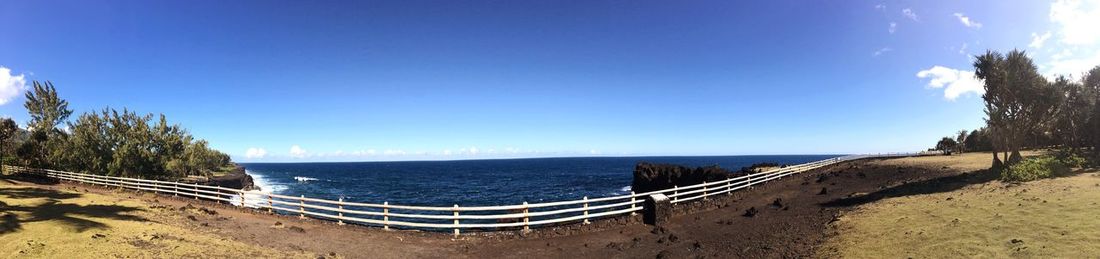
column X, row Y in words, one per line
column 520, row 216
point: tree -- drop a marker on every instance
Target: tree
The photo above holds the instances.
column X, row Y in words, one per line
column 8, row 129
column 946, row 144
column 960, row 140
column 47, row 110
column 1090, row 86
column 1069, row 129
column 1017, row 100
column 979, row 140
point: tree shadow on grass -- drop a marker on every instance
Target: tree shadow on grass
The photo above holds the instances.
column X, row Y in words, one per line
column 76, row 216
column 936, row 185
column 30, row 178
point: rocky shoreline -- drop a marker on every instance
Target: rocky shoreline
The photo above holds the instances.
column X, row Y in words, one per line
column 236, row 179
column 652, row 177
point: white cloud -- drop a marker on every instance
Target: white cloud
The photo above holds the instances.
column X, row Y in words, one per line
column 298, row 152
column 1038, row 40
column 10, row 85
column 893, row 27
column 880, row 7
column 1077, row 45
column 881, row 51
column 254, row 153
column 962, row 50
column 1073, row 67
column 966, row 21
column 910, row 14
column 473, row 151
column 1078, row 21
column 955, row 82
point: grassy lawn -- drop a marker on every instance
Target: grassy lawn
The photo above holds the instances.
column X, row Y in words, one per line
column 43, row 222
column 1045, row 218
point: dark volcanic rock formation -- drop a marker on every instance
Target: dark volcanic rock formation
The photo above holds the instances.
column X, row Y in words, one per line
column 652, row 177
column 237, row 179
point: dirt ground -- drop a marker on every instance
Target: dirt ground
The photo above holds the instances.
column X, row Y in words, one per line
column 792, row 218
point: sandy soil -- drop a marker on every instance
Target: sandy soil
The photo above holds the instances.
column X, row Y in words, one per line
column 792, row 218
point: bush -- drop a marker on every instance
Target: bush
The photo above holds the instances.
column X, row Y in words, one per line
column 1035, row 169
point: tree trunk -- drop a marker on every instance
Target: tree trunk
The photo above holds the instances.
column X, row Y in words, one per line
column 1015, row 158
column 997, row 164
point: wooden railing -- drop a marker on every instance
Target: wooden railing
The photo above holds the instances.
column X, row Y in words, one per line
column 525, row 216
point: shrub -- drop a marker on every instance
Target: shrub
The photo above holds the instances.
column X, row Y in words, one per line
column 1072, row 159
column 1035, row 169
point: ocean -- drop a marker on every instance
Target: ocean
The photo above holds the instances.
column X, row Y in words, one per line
column 477, row 182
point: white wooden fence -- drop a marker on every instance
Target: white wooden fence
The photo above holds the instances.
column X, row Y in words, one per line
column 387, row 215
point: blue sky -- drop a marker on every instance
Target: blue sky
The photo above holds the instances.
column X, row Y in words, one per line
column 414, row 80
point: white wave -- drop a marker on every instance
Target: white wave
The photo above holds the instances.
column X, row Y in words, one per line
column 304, row 179
column 265, row 186
column 257, row 198
column 621, row 191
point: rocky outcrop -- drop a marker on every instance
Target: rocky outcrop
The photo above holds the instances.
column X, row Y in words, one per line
column 237, row 179
column 652, row 177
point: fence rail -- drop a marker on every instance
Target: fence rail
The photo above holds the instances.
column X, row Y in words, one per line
column 454, row 218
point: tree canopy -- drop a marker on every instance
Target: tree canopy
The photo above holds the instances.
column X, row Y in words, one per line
column 109, row 142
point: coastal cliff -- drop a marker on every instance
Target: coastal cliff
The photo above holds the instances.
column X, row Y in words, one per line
column 652, row 177
column 236, row 179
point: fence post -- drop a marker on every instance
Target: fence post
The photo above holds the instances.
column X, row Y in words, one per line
column 386, row 215
column 196, row 191
column 176, row 189
column 675, row 193
column 340, row 219
column 749, row 179
column 526, row 219
column 586, row 211
column 633, row 203
column 244, row 201
column 456, row 220
column 729, row 186
column 302, row 207
column 270, row 205
column 704, row 190
column 219, row 195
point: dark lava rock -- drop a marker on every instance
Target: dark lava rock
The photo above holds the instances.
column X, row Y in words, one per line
column 652, row 177
column 236, row 179
column 208, row 211
column 296, row 229
column 673, row 238
column 192, row 217
column 666, row 254
column 778, row 203
column 751, row 212
column 659, row 230
column 823, row 191
column 1016, row 241
column 97, row 235
column 822, row 178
